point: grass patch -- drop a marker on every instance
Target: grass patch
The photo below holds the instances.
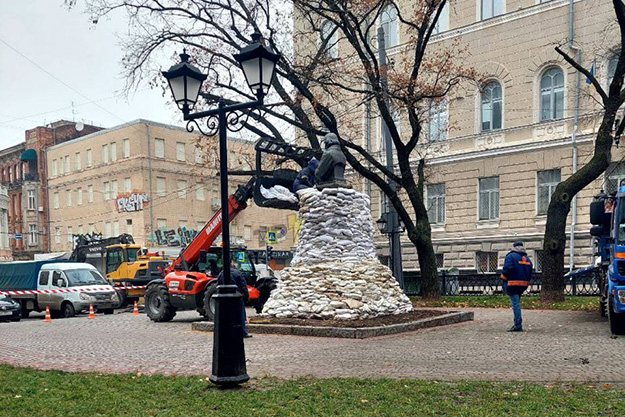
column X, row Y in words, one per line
column 27, row 392
column 503, row 301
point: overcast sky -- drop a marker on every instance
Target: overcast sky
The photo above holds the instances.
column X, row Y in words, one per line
column 65, row 49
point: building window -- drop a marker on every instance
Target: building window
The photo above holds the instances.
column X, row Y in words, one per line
column 436, row 203
column 440, row 260
column 388, row 21
column 438, row 122
column 126, row 146
column 79, row 196
column 107, row 229
column 70, row 234
column 32, row 204
column 486, row 261
column 127, row 185
column 105, row 153
column 55, row 168
column 491, row 106
column 491, row 8
column 80, row 230
column 182, row 188
column 66, row 165
column 55, row 200
column 32, row 234
column 198, row 155
column 180, row 151
column 199, row 191
column 69, row 198
column 161, row 189
column 552, row 94
column 442, row 24
column 329, row 31
column 114, row 151
column 489, row 198
column 77, row 162
column 57, row 234
column 161, row 224
column 89, row 158
column 547, row 182
column 159, row 148
column 247, row 232
column 115, row 228
column 107, row 191
column 90, row 193
column 114, row 189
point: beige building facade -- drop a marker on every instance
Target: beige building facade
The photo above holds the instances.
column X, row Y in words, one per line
column 152, row 181
column 495, row 151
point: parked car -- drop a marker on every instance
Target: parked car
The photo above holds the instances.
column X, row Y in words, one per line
column 9, row 309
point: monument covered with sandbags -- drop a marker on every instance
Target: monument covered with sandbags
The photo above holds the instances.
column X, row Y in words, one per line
column 335, row 273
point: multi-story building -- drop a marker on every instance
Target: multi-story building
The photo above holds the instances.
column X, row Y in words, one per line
column 496, row 151
column 5, row 248
column 23, row 172
column 154, row 181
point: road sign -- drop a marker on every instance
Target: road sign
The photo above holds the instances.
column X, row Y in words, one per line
column 240, row 257
column 271, row 237
column 18, row 236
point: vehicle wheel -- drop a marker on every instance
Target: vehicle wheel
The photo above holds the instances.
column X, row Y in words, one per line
column 67, row 310
column 603, row 308
column 209, row 302
column 108, row 311
column 157, row 304
column 123, row 299
column 616, row 320
column 17, row 317
column 24, row 312
column 264, row 288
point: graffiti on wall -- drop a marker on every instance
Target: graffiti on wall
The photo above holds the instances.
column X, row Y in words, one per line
column 174, row 237
column 127, row 203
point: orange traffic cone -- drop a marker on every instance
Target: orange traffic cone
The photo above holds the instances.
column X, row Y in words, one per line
column 91, row 313
column 48, row 316
column 135, row 310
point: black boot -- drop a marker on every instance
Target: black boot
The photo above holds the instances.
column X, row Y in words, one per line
column 515, row 329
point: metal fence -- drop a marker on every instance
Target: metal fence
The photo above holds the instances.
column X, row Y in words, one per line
column 475, row 283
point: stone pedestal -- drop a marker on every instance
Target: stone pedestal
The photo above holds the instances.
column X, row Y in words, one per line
column 335, row 273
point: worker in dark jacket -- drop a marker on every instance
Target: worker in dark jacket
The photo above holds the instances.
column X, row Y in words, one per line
column 306, row 177
column 241, row 284
column 516, row 275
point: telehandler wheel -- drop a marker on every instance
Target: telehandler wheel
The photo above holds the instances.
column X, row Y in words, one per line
column 157, row 304
column 617, row 320
column 209, row 303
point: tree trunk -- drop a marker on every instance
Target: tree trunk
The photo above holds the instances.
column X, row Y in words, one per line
column 421, row 238
column 555, row 230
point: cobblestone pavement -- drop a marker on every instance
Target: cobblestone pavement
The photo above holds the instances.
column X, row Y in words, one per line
column 558, row 346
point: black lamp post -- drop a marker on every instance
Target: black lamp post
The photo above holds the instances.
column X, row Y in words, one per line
column 258, row 63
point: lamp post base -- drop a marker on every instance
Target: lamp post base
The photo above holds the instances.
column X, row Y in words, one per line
column 228, row 350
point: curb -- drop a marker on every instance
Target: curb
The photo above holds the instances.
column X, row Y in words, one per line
column 349, row 332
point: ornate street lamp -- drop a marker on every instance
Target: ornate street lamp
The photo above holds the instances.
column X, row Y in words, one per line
column 258, row 63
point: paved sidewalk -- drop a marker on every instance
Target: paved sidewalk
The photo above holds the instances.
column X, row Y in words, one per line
column 558, row 346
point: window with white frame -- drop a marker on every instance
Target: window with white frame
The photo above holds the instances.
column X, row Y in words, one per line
column 442, row 24
column 115, row 228
column 55, row 168
column 90, row 193
column 182, row 188
column 107, row 190
column 552, row 94
column 330, row 36
column 105, row 154
column 113, row 151
column 32, row 204
column 489, row 198
column 79, row 196
column 388, row 22
column 77, row 162
column 486, row 261
column 66, row 165
column 126, row 146
column 198, row 155
column 159, row 148
column 437, row 126
column 614, row 176
column 247, row 232
column 161, row 189
column 129, row 226
column 89, row 161
column 107, row 229
column 547, row 182
column 491, row 106
column 491, row 8
column 69, row 198
column 55, row 200
column 114, row 189
column 57, row 234
column 436, row 203
column 70, row 234
column 161, row 224
column 180, row 154
column 199, row 191
column 127, row 185
column 32, row 234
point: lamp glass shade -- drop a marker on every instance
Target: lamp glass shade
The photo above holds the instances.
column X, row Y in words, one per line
column 258, row 63
column 185, row 82
column 267, row 70
column 251, row 70
column 381, row 222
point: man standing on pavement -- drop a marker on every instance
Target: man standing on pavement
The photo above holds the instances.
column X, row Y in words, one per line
column 516, row 275
column 241, row 284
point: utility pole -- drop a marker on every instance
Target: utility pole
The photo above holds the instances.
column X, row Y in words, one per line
column 390, row 211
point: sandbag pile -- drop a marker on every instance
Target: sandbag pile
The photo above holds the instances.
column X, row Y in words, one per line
column 335, row 273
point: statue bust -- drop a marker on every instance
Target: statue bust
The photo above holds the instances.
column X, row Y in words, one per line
column 330, row 172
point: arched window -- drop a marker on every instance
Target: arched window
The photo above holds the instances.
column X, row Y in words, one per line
column 552, row 94
column 328, row 32
column 491, row 106
column 388, row 21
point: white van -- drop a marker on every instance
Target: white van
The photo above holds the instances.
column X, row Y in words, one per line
column 79, row 285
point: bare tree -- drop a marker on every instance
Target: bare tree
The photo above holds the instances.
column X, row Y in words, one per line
column 325, row 82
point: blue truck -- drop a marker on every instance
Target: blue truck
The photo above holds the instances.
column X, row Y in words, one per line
column 607, row 214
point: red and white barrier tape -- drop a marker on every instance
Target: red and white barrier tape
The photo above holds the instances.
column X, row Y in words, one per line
column 66, row 290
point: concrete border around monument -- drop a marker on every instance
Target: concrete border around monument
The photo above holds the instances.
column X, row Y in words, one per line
column 349, row 332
